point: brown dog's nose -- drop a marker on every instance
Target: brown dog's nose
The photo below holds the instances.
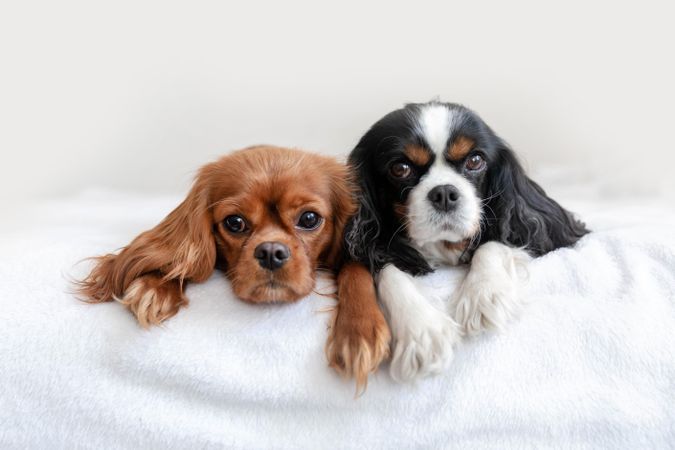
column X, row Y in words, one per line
column 271, row 255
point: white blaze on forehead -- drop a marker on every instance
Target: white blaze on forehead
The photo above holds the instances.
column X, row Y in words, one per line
column 426, row 225
column 435, row 121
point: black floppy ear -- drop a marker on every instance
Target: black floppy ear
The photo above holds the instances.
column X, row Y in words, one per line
column 373, row 236
column 521, row 214
column 364, row 228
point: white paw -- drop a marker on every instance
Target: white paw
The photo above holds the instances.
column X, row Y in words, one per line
column 488, row 297
column 423, row 346
column 485, row 303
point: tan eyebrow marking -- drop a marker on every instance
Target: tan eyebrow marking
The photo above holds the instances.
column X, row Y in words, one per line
column 459, row 148
column 417, row 155
column 401, row 210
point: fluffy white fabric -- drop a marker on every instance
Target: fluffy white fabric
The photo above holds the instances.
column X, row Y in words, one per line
column 589, row 363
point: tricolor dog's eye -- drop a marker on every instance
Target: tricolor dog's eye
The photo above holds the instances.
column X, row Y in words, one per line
column 309, row 220
column 474, row 162
column 400, row 170
column 236, row 224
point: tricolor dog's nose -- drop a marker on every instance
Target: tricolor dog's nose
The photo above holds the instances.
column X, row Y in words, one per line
column 444, row 197
column 271, row 255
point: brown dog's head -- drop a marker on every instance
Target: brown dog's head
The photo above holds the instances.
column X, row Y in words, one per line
column 268, row 216
column 278, row 214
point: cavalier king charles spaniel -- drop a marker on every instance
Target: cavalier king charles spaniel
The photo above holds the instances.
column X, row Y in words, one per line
column 438, row 187
column 267, row 216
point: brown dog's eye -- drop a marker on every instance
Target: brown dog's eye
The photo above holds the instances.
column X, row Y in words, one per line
column 474, row 162
column 235, row 224
column 309, row 220
column 400, row 170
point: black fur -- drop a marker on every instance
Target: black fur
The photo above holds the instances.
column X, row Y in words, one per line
column 521, row 214
column 375, row 236
column 517, row 211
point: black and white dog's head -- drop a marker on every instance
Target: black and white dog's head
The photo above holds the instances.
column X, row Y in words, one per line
column 436, row 182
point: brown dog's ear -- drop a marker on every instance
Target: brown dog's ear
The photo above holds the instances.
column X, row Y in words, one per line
column 343, row 191
column 148, row 275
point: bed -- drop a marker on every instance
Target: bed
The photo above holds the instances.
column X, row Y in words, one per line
column 590, row 363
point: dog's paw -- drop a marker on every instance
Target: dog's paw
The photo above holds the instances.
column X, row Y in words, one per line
column 488, row 297
column 484, row 304
column 153, row 300
column 423, row 345
column 358, row 343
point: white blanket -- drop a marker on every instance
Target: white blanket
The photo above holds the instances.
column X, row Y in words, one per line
column 590, row 363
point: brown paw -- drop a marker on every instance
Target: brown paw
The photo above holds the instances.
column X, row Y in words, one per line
column 153, row 299
column 357, row 344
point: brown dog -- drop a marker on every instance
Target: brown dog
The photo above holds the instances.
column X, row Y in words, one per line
column 269, row 217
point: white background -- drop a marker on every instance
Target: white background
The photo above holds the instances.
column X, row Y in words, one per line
column 137, row 95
